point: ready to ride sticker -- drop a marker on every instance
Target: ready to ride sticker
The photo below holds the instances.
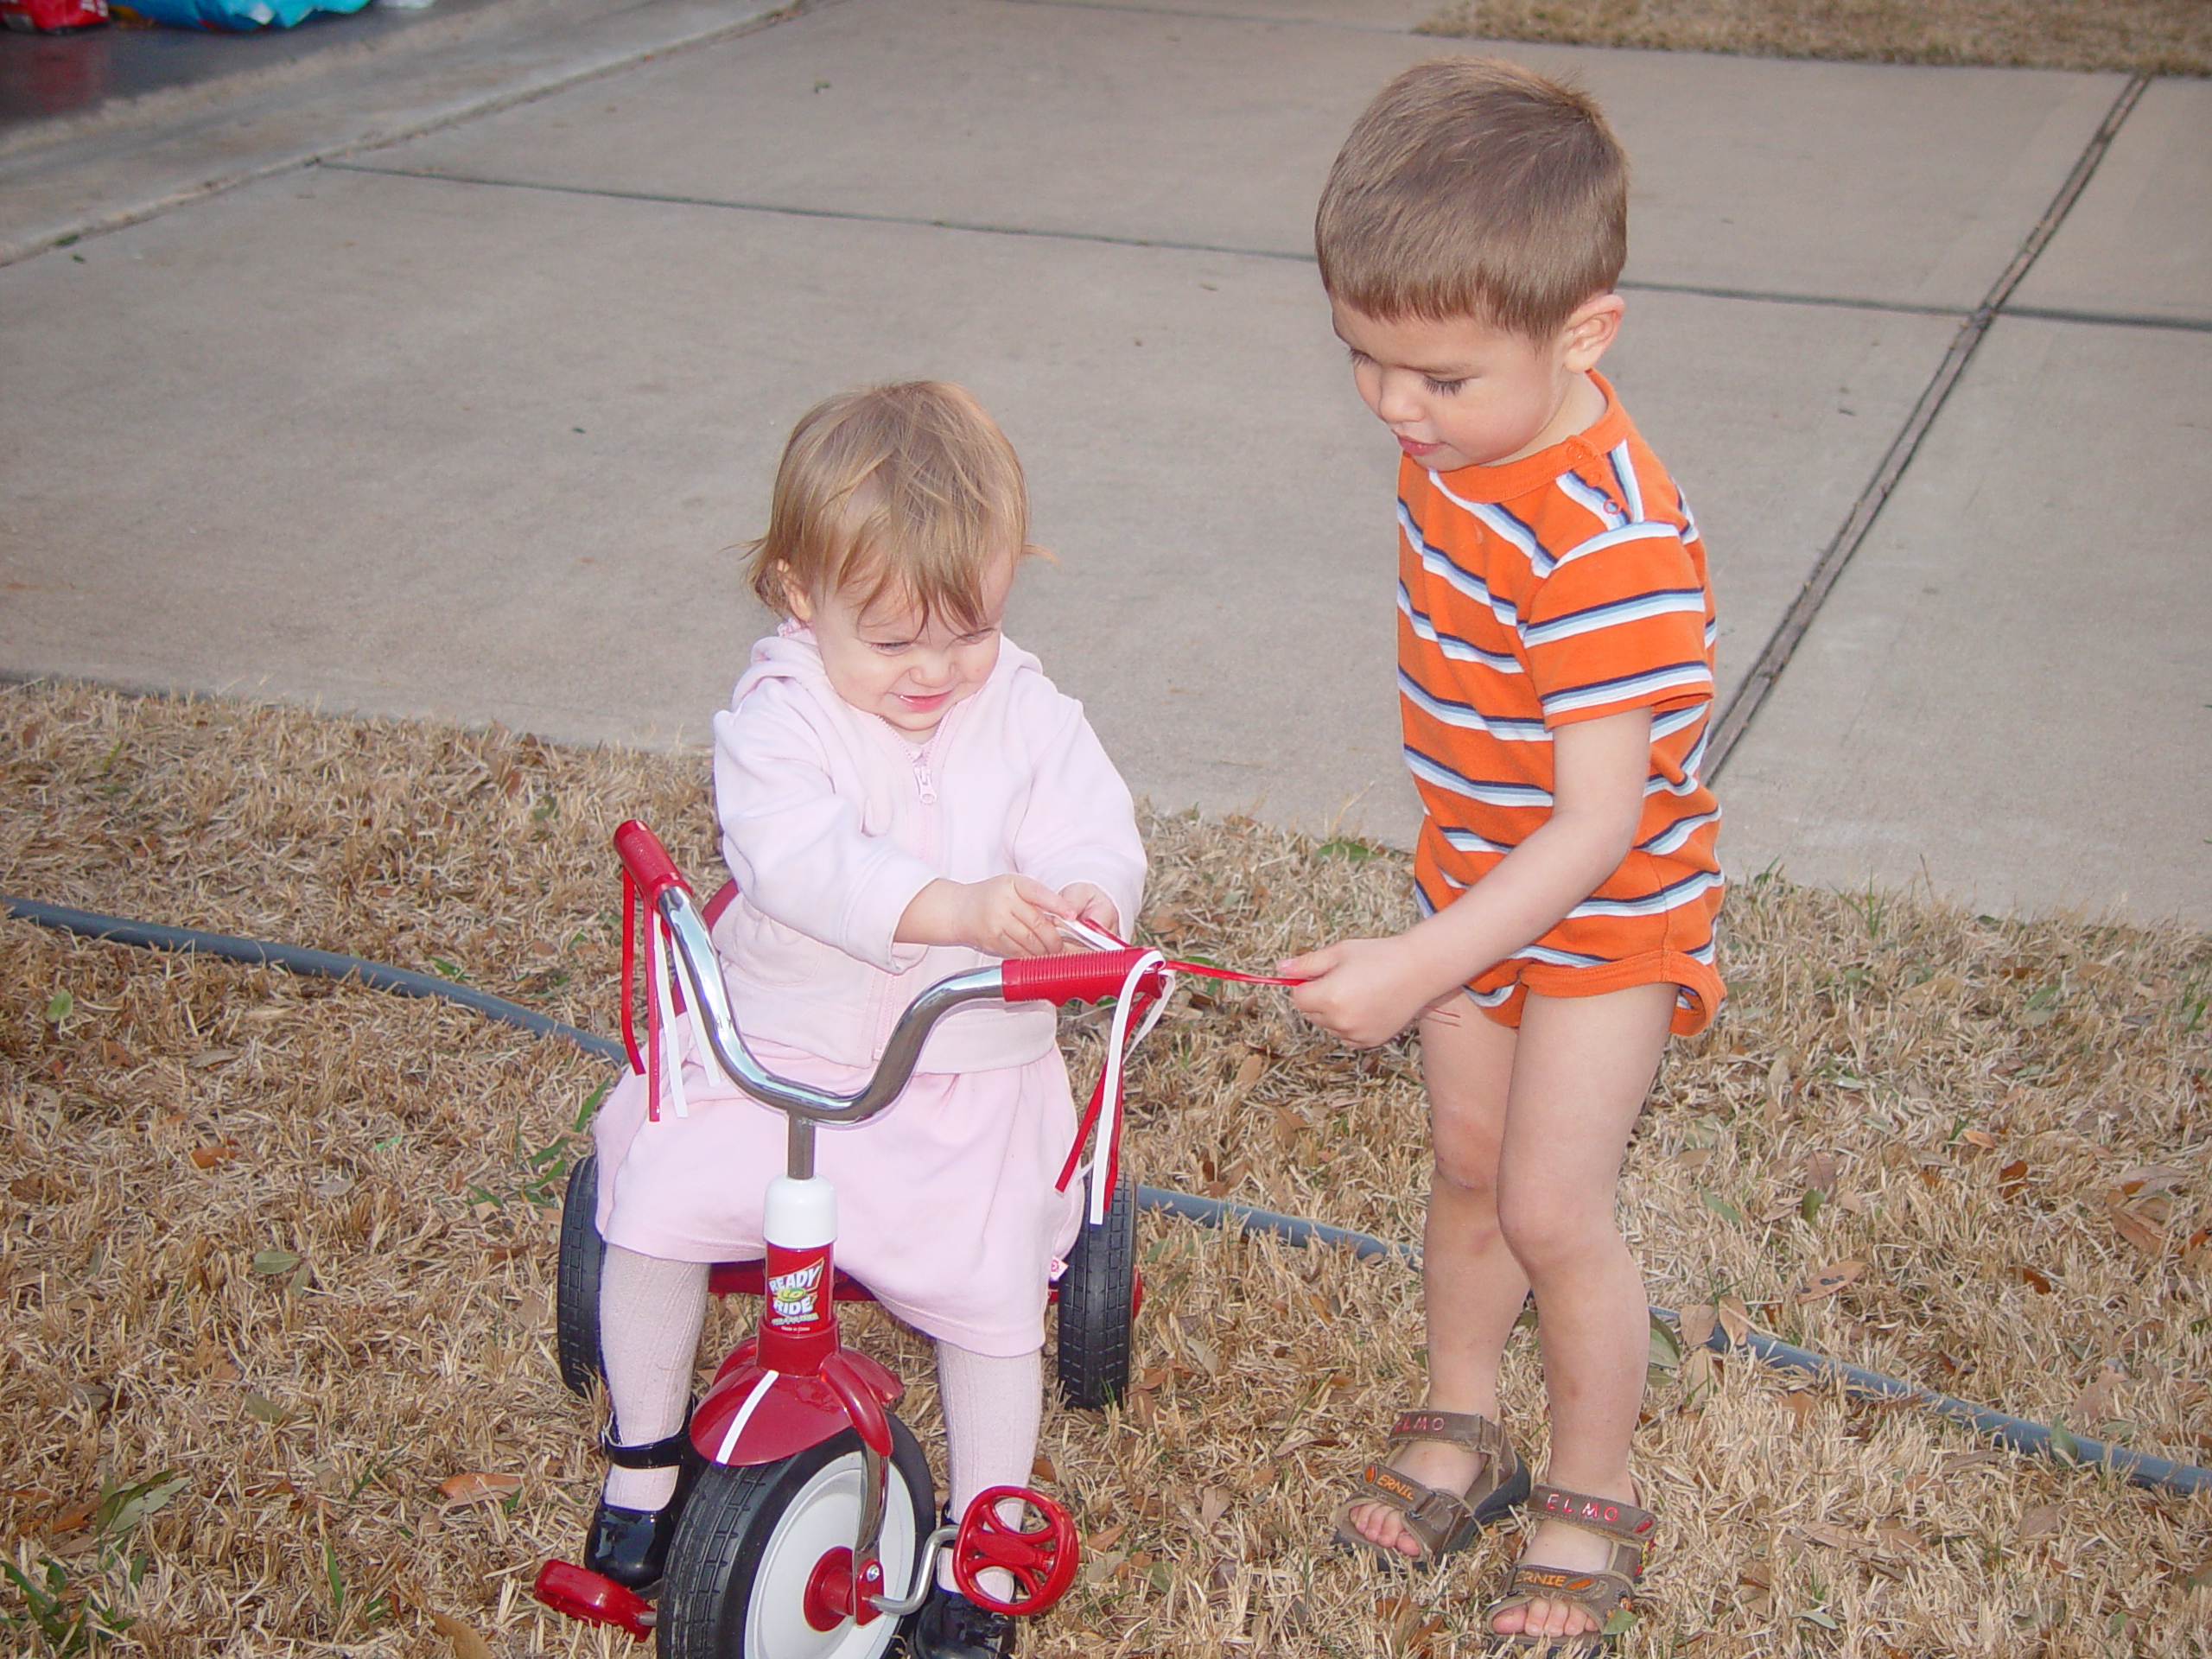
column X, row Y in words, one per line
column 793, row 1297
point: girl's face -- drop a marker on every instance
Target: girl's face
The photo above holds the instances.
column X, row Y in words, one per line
column 889, row 662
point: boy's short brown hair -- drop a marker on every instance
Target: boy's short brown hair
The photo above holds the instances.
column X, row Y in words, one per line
column 1473, row 188
column 907, row 492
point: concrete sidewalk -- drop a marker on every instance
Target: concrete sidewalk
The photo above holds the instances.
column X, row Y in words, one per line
column 465, row 424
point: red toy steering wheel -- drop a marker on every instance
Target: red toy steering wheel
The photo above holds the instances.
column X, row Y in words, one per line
column 1041, row 1553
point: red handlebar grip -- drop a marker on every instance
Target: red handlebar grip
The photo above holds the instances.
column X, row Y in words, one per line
column 1083, row 977
column 646, row 860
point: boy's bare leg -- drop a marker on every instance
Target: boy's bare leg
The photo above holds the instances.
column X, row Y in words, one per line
column 1471, row 1283
column 1582, row 1067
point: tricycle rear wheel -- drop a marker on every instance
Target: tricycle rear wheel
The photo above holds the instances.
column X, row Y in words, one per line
column 575, row 1295
column 1097, row 1304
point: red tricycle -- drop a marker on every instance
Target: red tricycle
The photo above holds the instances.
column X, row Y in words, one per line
column 807, row 1532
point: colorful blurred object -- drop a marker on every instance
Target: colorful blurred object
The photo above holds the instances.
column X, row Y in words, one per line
column 223, row 14
column 53, row 17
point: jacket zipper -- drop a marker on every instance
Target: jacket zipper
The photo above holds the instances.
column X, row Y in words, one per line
column 919, row 760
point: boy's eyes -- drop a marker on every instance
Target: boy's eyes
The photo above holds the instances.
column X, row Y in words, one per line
column 1442, row 388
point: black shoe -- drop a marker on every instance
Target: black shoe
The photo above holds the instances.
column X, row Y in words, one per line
column 950, row 1626
column 631, row 1546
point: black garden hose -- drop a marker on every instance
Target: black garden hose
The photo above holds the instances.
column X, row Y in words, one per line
column 298, row 959
column 2017, row 1433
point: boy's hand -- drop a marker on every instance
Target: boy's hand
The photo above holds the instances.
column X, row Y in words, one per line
column 1363, row 991
column 1006, row 916
column 1088, row 904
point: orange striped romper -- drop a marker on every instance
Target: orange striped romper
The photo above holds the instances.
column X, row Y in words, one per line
column 1564, row 586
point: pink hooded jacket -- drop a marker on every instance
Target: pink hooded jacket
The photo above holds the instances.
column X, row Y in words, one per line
column 832, row 822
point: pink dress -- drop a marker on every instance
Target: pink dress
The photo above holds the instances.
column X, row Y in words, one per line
column 831, row 823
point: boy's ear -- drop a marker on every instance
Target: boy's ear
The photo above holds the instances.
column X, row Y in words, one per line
column 1592, row 328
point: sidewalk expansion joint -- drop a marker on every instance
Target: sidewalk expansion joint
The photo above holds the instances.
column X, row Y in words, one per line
column 528, row 91
column 1782, row 643
column 857, row 216
column 1107, row 239
column 1202, row 15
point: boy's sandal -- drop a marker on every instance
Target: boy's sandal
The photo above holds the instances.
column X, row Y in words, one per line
column 1599, row 1594
column 1442, row 1522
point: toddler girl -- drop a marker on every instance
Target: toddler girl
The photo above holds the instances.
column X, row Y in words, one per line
column 902, row 794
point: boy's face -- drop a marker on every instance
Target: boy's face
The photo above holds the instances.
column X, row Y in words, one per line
column 1463, row 393
column 889, row 661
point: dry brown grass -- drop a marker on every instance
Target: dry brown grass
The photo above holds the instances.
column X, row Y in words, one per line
column 1980, row 1099
column 2154, row 37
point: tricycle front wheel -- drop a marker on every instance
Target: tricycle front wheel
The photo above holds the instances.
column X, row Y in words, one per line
column 752, row 1540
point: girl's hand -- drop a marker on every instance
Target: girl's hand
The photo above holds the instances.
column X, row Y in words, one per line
column 1088, row 904
column 1006, row 916
column 1363, row 991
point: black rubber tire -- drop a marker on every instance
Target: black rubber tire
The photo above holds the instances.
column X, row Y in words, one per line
column 758, row 1531
column 1098, row 1303
column 576, row 1289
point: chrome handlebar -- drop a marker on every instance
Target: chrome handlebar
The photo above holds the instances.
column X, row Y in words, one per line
column 701, row 970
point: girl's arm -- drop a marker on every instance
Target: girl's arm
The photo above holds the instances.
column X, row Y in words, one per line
column 1366, row 991
column 1006, row 916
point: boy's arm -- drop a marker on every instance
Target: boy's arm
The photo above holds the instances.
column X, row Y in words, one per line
column 1366, row 991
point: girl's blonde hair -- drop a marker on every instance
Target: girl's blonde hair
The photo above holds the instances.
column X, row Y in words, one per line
column 908, row 491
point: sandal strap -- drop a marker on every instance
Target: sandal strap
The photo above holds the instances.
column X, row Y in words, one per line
column 1598, row 1594
column 1439, row 1519
column 1609, row 1516
column 1469, row 1430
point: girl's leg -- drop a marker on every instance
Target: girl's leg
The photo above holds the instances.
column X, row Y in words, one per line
column 992, row 1408
column 1581, row 1071
column 1473, row 1286
column 650, row 1313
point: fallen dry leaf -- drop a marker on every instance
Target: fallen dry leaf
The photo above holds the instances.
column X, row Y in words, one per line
column 2137, row 1231
column 2028, row 1277
column 1099, row 1542
column 1213, row 1503
column 2090, row 1405
column 2012, row 1179
column 1735, row 1319
column 2038, row 1520
column 218, row 1152
column 1802, row 1403
column 1697, row 1321
column 466, row 1643
column 1041, row 1469
column 1820, row 1172
column 1962, row 1460
column 2153, row 1177
column 1825, row 1281
column 478, row 1488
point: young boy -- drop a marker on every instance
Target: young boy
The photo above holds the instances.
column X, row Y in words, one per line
column 1555, row 673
